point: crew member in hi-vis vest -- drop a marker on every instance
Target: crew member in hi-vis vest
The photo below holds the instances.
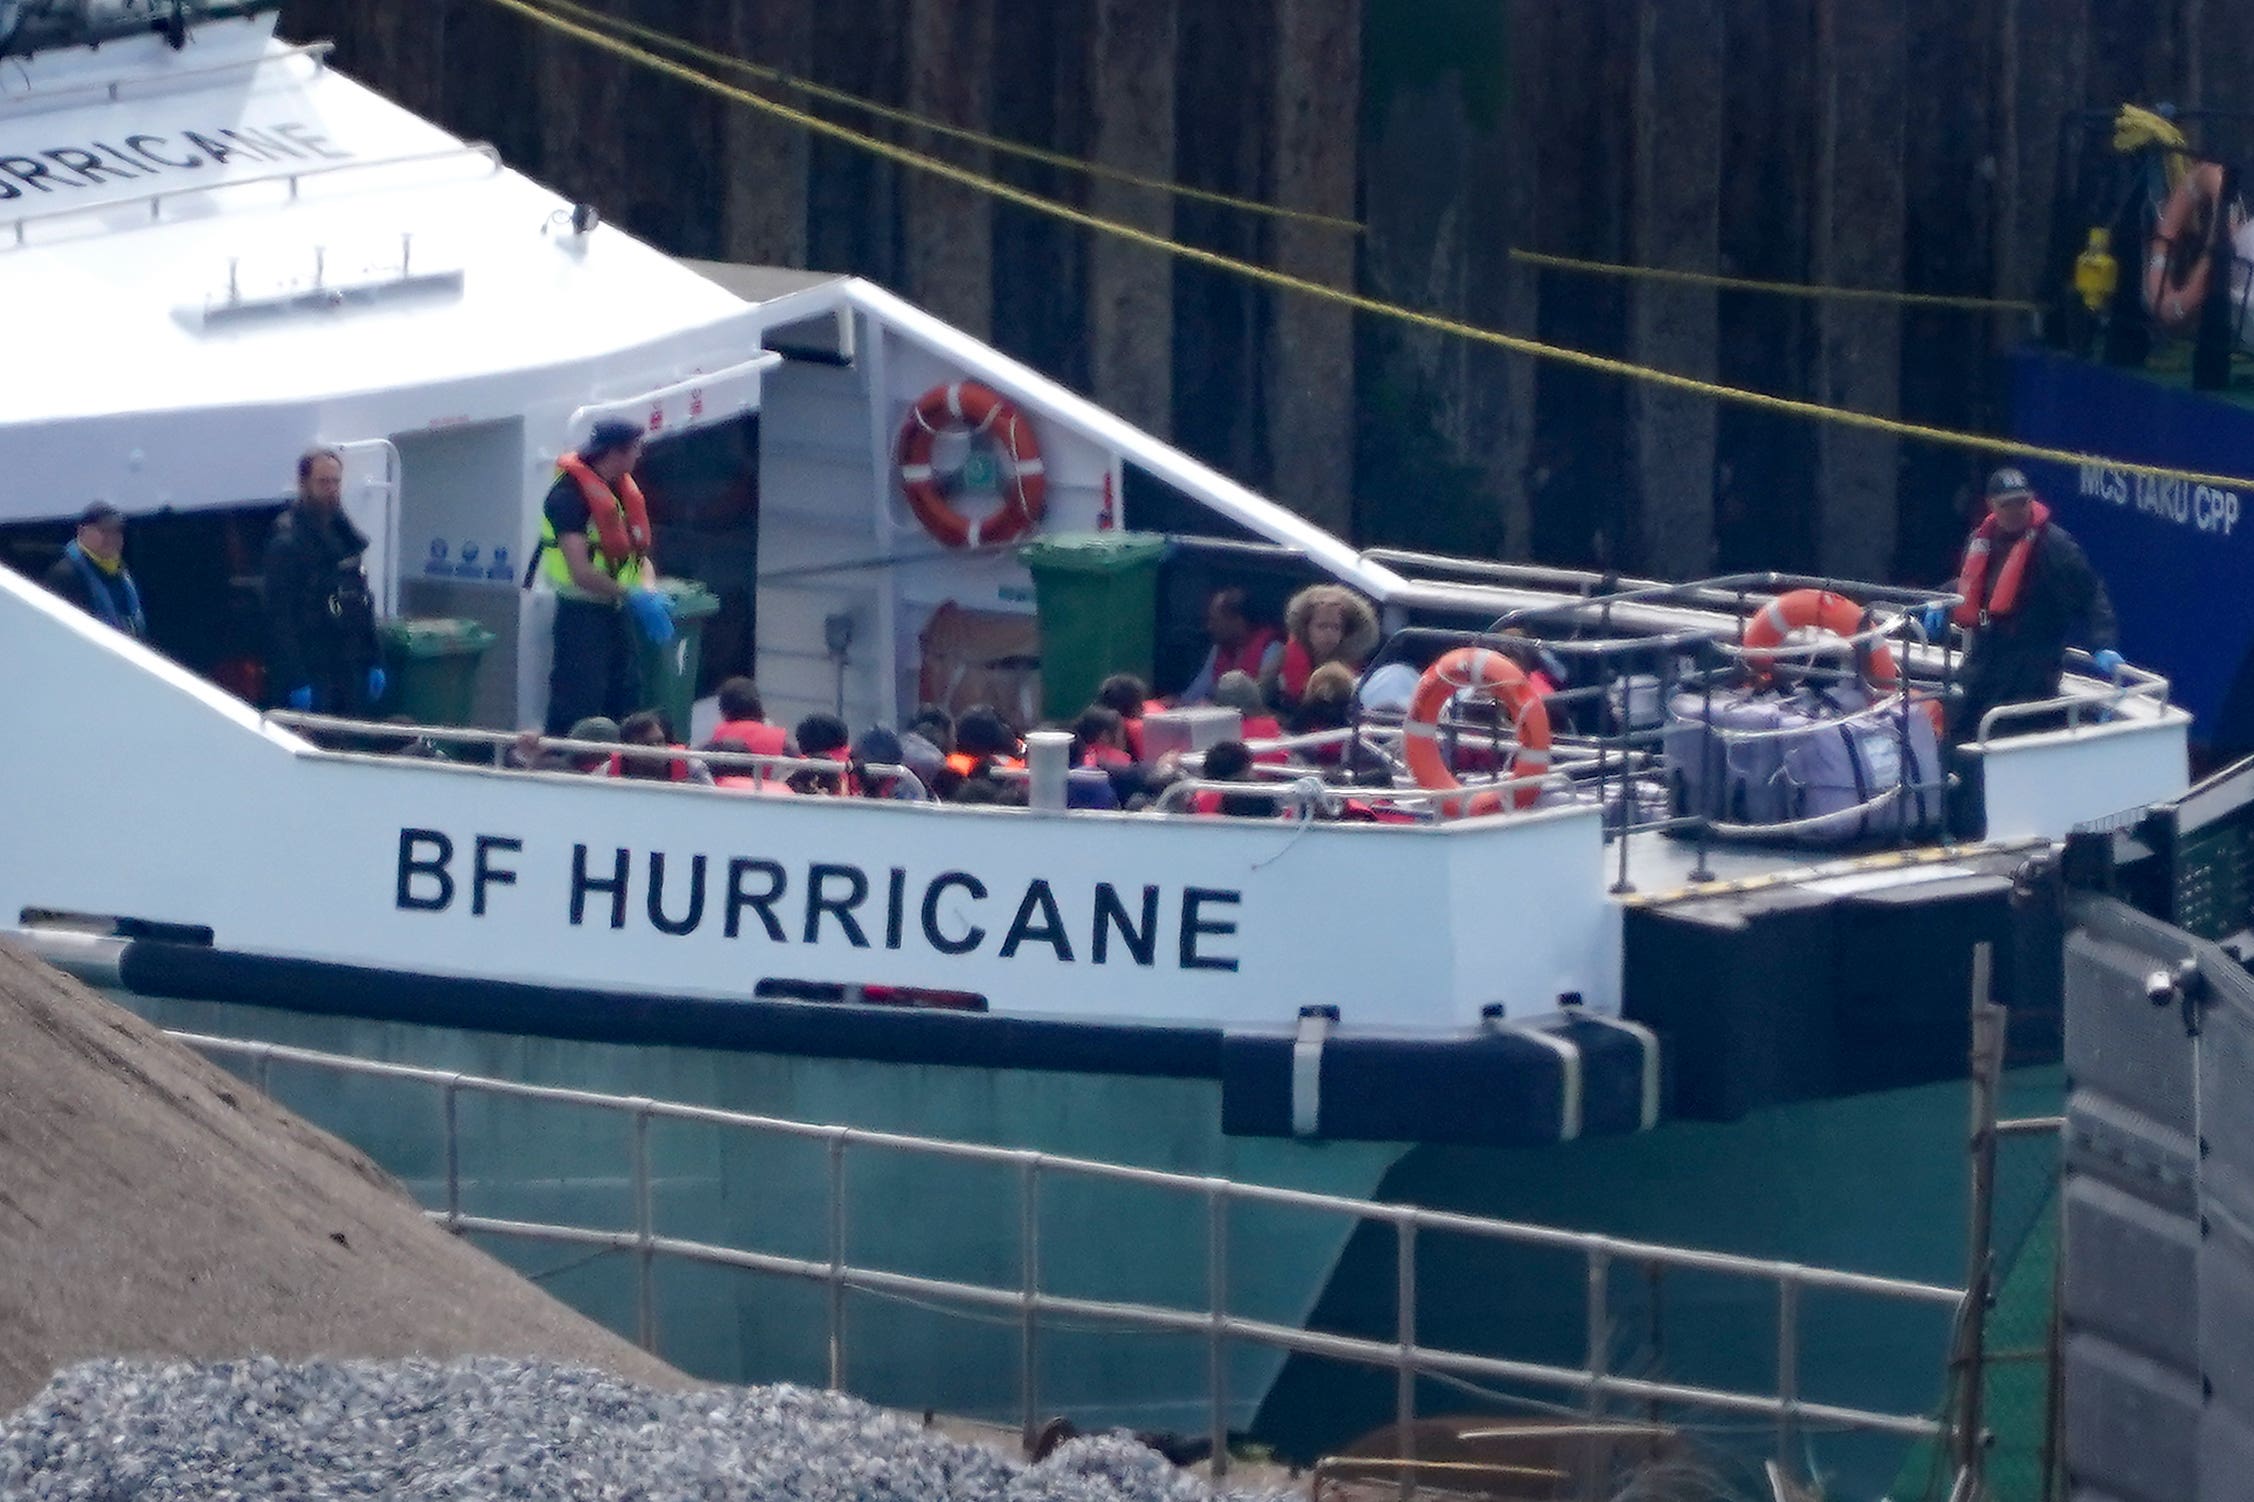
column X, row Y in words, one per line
column 595, row 553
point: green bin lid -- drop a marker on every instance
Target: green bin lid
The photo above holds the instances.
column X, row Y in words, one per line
column 435, row 636
column 1092, row 552
column 689, row 597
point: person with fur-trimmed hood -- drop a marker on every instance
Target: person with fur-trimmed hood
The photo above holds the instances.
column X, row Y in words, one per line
column 1324, row 623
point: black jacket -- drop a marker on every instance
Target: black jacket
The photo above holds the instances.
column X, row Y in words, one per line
column 68, row 580
column 2016, row 657
column 320, row 617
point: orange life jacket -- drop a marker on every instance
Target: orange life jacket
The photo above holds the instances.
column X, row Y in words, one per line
column 622, row 519
column 1978, row 604
column 759, row 737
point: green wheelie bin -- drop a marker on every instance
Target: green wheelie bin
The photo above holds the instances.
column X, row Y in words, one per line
column 1097, row 595
column 431, row 667
column 669, row 673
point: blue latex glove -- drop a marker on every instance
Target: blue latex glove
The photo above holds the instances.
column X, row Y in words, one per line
column 653, row 615
column 1935, row 621
column 300, row 697
column 377, row 679
column 2108, row 662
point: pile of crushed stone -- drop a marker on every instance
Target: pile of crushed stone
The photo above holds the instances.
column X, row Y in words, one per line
column 152, row 1205
column 489, row 1430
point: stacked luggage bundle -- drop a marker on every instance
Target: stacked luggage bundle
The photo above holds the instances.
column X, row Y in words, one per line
column 1817, row 764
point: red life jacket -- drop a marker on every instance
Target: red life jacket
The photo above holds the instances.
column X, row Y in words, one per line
column 1980, row 604
column 1106, row 756
column 622, row 519
column 759, row 737
column 1205, row 801
column 1246, row 658
column 1261, row 727
column 1297, row 668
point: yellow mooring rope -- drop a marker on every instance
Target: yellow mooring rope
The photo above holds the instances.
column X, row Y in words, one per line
column 1780, row 289
column 998, row 144
column 1983, row 443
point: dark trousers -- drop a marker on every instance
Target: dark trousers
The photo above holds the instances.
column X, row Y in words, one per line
column 595, row 671
column 2013, row 676
column 342, row 691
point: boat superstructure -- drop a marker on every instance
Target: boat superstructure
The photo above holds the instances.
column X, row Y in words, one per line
column 225, row 252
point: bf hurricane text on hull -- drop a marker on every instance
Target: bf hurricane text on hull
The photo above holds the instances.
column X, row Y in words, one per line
column 755, row 899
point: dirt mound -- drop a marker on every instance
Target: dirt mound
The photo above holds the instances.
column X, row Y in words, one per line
column 152, row 1204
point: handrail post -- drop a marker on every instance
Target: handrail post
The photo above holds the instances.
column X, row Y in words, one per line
column 1217, row 1303
column 1029, row 1293
column 1788, row 1366
column 645, row 1306
column 1405, row 1338
column 262, row 1070
column 1599, row 1359
column 837, row 1263
column 453, row 1112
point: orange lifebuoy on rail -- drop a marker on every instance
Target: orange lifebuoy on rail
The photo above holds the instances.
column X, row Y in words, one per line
column 967, row 407
column 1824, row 611
column 2173, row 304
column 1480, row 670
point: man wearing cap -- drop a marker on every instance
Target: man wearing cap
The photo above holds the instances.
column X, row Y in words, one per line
column 320, row 616
column 2028, row 591
column 92, row 574
column 595, row 554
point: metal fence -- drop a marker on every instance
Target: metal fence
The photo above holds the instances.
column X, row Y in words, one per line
column 1593, row 1382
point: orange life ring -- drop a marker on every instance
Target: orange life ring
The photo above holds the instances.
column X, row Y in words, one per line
column 2173, row 304
column 1477, row 669
column 1824, row 611
column 967, row 407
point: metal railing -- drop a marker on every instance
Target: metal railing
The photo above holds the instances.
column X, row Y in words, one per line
column 156, row 201
column 1594, row 1382
column 500, row 743
column 2043, row 714
column 115, row 89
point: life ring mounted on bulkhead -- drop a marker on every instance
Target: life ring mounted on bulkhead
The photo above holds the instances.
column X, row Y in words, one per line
column 1820, row 610
column 1479, row 670
column 2174, row 299
column 981, row 412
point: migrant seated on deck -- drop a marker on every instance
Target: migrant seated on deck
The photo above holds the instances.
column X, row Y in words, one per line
column 1239, row 646
column 1323, row 624
column 743, row 719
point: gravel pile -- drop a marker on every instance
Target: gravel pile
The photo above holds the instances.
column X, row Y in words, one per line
column 485, row 1430
column 153, row 1206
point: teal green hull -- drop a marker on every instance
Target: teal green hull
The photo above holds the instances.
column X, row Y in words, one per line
column 907, row 1213
column 1874, row 1183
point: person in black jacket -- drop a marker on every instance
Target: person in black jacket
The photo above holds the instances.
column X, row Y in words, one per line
column 2029, row 592
column 92, row 574
column 320, row 615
